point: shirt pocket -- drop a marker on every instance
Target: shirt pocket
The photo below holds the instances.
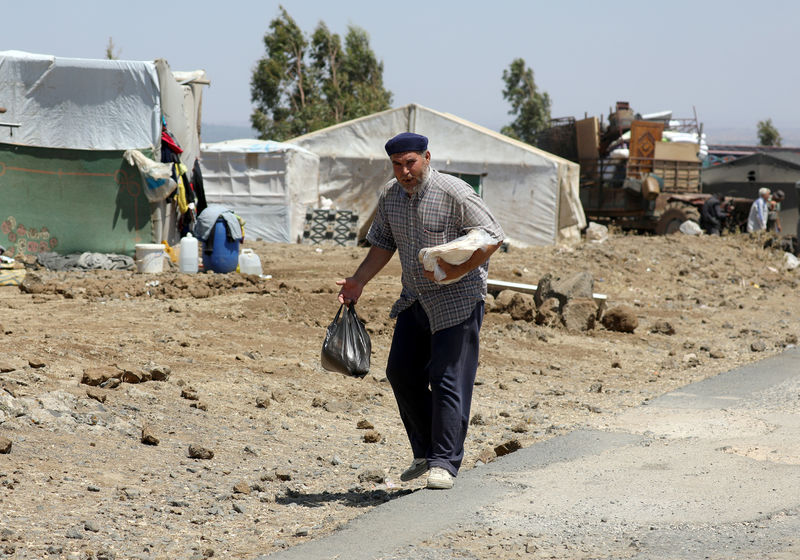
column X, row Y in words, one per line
column 432, row 238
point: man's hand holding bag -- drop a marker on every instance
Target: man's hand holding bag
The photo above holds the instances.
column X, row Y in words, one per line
column 347, row 346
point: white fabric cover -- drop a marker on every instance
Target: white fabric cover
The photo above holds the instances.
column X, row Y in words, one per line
column 269, row 184
column 78, row 103
column 533, row 194
column 180, row 106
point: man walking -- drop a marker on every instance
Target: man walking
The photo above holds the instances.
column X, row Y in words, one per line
column 434, row 354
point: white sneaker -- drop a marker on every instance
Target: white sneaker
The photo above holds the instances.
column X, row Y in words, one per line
column 418, row 468
column 440, row 479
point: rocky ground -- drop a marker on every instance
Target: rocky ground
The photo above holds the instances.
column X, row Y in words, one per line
column 186, row 416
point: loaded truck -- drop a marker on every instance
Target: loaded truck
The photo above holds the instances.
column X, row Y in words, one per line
column 639, row 172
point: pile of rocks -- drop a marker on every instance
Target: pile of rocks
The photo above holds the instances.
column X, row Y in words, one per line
column 568, row 303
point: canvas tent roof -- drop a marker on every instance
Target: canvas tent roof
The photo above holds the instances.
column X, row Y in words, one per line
column 533, row 194
column 88, row 104
column 269, row 184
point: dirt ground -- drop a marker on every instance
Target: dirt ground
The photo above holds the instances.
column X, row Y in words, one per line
column 298, row 451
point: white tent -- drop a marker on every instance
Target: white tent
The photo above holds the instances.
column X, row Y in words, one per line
column 533, row 194
column 269, row 184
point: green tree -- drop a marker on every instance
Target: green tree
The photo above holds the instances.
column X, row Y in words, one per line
column 111, row 51
column 307, row 83
column 530, row 107
column 768, row 135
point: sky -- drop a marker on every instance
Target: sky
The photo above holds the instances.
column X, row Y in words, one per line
column 730, row 63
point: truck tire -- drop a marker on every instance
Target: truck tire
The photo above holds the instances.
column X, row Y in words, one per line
column 674, row 215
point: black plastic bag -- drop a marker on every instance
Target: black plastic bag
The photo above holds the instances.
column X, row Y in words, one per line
column 347, row 346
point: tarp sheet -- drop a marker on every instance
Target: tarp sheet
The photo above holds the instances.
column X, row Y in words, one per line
column 269, row 184
column 79, row 104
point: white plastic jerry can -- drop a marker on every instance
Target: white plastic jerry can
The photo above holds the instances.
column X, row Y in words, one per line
column 249, row 263
column 188, row 260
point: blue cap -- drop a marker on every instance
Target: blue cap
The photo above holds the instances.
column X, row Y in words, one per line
column 406, row 142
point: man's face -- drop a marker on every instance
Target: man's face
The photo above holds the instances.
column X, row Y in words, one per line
column 766, row 195
column 410, row 169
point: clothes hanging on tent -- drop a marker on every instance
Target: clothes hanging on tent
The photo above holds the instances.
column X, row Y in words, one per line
column 184, row 196
column 197, row 185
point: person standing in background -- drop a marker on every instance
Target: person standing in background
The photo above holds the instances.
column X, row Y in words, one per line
column 757, row 220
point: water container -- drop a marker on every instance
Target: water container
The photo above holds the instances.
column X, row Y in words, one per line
column 188, row 257
column 221, row 254
column 150, row 257
column 249, row 263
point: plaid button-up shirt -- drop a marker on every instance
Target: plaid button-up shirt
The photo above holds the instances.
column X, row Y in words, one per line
column 443, row 209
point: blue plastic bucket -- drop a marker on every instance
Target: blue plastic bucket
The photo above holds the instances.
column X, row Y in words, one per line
column 223, row 253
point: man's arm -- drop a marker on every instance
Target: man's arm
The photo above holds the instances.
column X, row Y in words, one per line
column 352, row 287
column 457, row 270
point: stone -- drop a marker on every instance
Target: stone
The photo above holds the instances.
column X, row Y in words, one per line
column 189, row 394
column 200, row 452
column 241, row 487
column 262, row 402
column 32, row 284
column 36, row 363
column 279, row 395
column 579, row 285
column 790, row 339
column 283, row 475
column 112, row 383
column 502, row 300
column 336, row 406
column 5, row 445
column 717, row 354
column 74, row 533
column 477, row 420
column 372, row 437
column 487, row 456
column 98, row 375
column 548, row 314
column 758, row 346
column 662, row 327
column 488, row 303
column 148, row 437
column 372, row 475
column 520, row 428
column 91, row 525
column 96, row 394
column 521, row 307
column 507, row 447
column 160, row 373
column 239, row 507
column 131, row 374
column 364, row 425
column 621, row 318
column 6, row 367
column 579, row 314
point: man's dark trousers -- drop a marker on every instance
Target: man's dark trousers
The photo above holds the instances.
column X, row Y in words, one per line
column 432, row 376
